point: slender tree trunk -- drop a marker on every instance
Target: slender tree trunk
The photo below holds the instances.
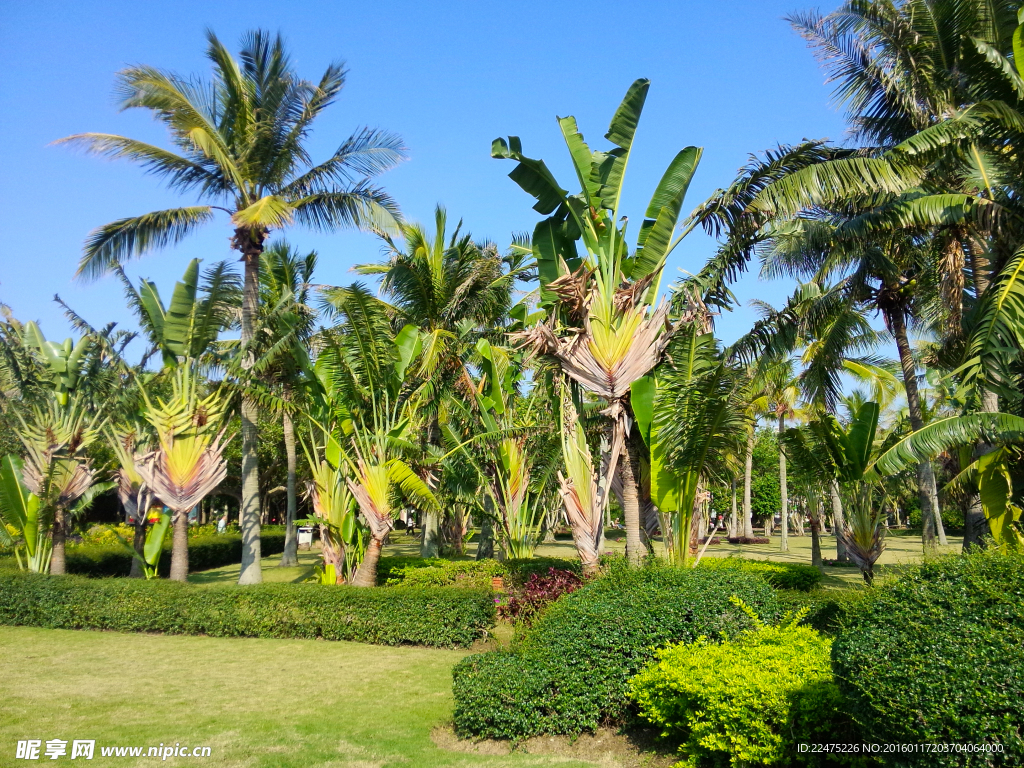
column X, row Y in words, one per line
column 748, row 469
column 940, row 527
column 60, row 534
column 629, row 472
column 783, row 490
column 733, row 518
column 815, row 523
column 366, row 574
column 925, row 475
column 290, row 557
column 179, row 547
column 976, row 526
column 251, row 245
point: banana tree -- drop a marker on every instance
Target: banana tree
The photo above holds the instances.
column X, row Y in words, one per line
column 19, row 508
column 342, row 537
column 601, row 328
column 63, row 361
column 57, row 470
column 188, row 464
column 146, row 550
column 507, row 469
column 187, row 327
column 584, row 500
column 129, row 446
column 378, row 474
column 363, row 400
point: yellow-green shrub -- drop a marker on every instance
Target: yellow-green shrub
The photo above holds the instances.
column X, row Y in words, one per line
column 746, row 701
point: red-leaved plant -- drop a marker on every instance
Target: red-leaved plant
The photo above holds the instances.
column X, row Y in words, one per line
column 523, row 604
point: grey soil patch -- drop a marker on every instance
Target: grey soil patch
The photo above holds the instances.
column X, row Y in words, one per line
column 607, row 748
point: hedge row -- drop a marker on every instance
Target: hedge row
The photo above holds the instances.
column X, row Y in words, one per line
column 937, row 657
column 569, row 673
column 436, row 572
column 442, row 618
column 204, row 552
column 780, row 575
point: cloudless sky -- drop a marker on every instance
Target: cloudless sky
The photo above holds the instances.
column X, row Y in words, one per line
column 730, row 76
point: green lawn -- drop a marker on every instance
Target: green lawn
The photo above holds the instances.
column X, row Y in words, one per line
column 273, row 703
column 900, row 550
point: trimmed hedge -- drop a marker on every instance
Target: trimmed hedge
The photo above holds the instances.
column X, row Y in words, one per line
column 437, row 572
column 444, row 618
column 569, row 673
column 204, row 552
column 937, row 657
column 779, row 575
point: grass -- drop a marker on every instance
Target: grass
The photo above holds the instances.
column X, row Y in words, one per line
column 900, row 550
column 256, row 703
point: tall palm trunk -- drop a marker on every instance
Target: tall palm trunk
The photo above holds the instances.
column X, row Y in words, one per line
column 748, row 469
column 629, row 473
column 733, row 519
column 60, row 535
column 179, row 547
column 431, row 544
column 975, row 525
column 815, row 523
column 783, row 490
column 940, row 527
column 251, row 245
column 925, row 474
column 366, row 574
column 290, row 557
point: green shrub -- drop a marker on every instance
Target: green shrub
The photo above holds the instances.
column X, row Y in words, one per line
column 779, row 575
column 937, row 657
column 828, row 611
column 203, row 553
column 747, row 701
column 414, row 615
column 569, row 672
column 475, row 573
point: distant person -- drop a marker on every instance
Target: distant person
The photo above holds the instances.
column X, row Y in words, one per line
column 222, row 524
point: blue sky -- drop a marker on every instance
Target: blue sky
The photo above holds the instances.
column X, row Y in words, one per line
column 731, row 77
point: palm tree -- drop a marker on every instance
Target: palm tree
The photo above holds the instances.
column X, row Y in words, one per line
column 285, row 329
column 782, row 390
column 56, row 468
column 187, row 466
column 601, row 329
column 456, row 292
column 241, row 147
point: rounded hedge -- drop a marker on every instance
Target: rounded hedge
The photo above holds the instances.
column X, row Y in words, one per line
column 569, row 673
column 938, row 658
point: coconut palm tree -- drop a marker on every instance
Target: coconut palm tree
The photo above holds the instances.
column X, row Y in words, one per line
column 241, row 146
column 286, row 326
column 601, row 329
